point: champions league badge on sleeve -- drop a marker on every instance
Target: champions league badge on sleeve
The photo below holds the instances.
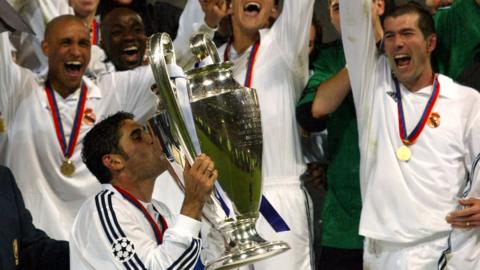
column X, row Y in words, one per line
column 123, row 249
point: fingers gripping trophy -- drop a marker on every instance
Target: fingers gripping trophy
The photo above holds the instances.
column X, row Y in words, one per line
column 218, row 116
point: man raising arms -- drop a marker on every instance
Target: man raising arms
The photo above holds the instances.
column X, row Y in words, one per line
column 418, row 138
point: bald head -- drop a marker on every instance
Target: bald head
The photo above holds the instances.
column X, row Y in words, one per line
column 61, row 22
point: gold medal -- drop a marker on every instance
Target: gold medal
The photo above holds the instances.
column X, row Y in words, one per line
column 404, row 153
column 67, row 168
column 433, row 120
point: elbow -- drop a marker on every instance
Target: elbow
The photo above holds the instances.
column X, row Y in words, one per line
column 318, row 112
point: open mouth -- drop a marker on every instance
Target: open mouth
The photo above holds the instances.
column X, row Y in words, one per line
column 131, row 50
column 73, row 66
column 252, row 8
column 402, row 60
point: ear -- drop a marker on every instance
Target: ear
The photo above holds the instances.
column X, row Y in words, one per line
column 275, row 13
column 44, row 46
column 431, row 43
column 113, row 162
column 380, row 7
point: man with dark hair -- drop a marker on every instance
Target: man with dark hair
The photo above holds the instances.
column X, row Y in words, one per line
column 418, row 138
column 122, row 226
column 22, row 245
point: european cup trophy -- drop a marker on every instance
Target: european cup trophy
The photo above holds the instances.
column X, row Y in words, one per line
column 227, row 125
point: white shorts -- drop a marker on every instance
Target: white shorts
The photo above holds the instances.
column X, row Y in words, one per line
column 383, row 255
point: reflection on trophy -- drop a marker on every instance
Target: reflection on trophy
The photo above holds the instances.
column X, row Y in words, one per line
column 227, row 123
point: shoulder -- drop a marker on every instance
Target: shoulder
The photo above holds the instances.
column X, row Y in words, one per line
column 468, row 99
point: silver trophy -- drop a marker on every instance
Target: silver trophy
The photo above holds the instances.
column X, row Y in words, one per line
column 228, row 125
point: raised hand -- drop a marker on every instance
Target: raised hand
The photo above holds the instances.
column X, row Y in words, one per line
column 215, row 11
column 433, row 5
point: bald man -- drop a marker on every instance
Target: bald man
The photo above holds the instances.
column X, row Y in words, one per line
column 47, row 117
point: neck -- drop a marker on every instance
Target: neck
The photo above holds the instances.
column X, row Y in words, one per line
column 424, row 80
column 140, row 189
column 243, row 40
column 88, row 19
column 62, row 90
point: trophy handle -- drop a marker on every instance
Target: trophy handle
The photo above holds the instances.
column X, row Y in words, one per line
column 161, row 53
column 202, row 47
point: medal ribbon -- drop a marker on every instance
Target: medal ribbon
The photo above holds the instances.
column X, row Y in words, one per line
column 156, row 229
column 67, row 150
column 95, row 30
column 409, row 139
column 251, row 61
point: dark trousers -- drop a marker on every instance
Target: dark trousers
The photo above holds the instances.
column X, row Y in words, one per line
column 340, row 259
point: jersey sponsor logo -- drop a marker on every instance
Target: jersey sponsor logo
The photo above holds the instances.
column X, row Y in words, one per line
column 123, row 249
column 393, row 95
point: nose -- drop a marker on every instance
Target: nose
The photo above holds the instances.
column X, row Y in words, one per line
column 398, row 41
column 128, row 36
column 75, row 50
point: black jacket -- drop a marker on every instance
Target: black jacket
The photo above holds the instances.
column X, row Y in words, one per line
column 22, row 246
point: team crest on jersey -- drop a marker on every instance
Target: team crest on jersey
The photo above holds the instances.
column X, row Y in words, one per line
column 89, row 117
column 123, row 249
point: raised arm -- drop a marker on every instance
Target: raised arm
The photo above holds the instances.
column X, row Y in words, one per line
column 358, row 36
column 291, row 31
column 197, row 16
column 11, row 76
column 330, row 94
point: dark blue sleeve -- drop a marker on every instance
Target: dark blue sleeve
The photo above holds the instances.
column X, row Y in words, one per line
column 37, row 250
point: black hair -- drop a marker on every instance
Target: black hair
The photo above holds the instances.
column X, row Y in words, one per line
column 101, row 140
column 425, row 19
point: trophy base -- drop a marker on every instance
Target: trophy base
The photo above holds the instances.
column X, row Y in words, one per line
column 246, row 245
column 248, row 256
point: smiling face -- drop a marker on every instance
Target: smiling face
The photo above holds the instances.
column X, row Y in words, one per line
column 123, row 38
column 249, row 16
column 67, row 46
column 408, row 50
